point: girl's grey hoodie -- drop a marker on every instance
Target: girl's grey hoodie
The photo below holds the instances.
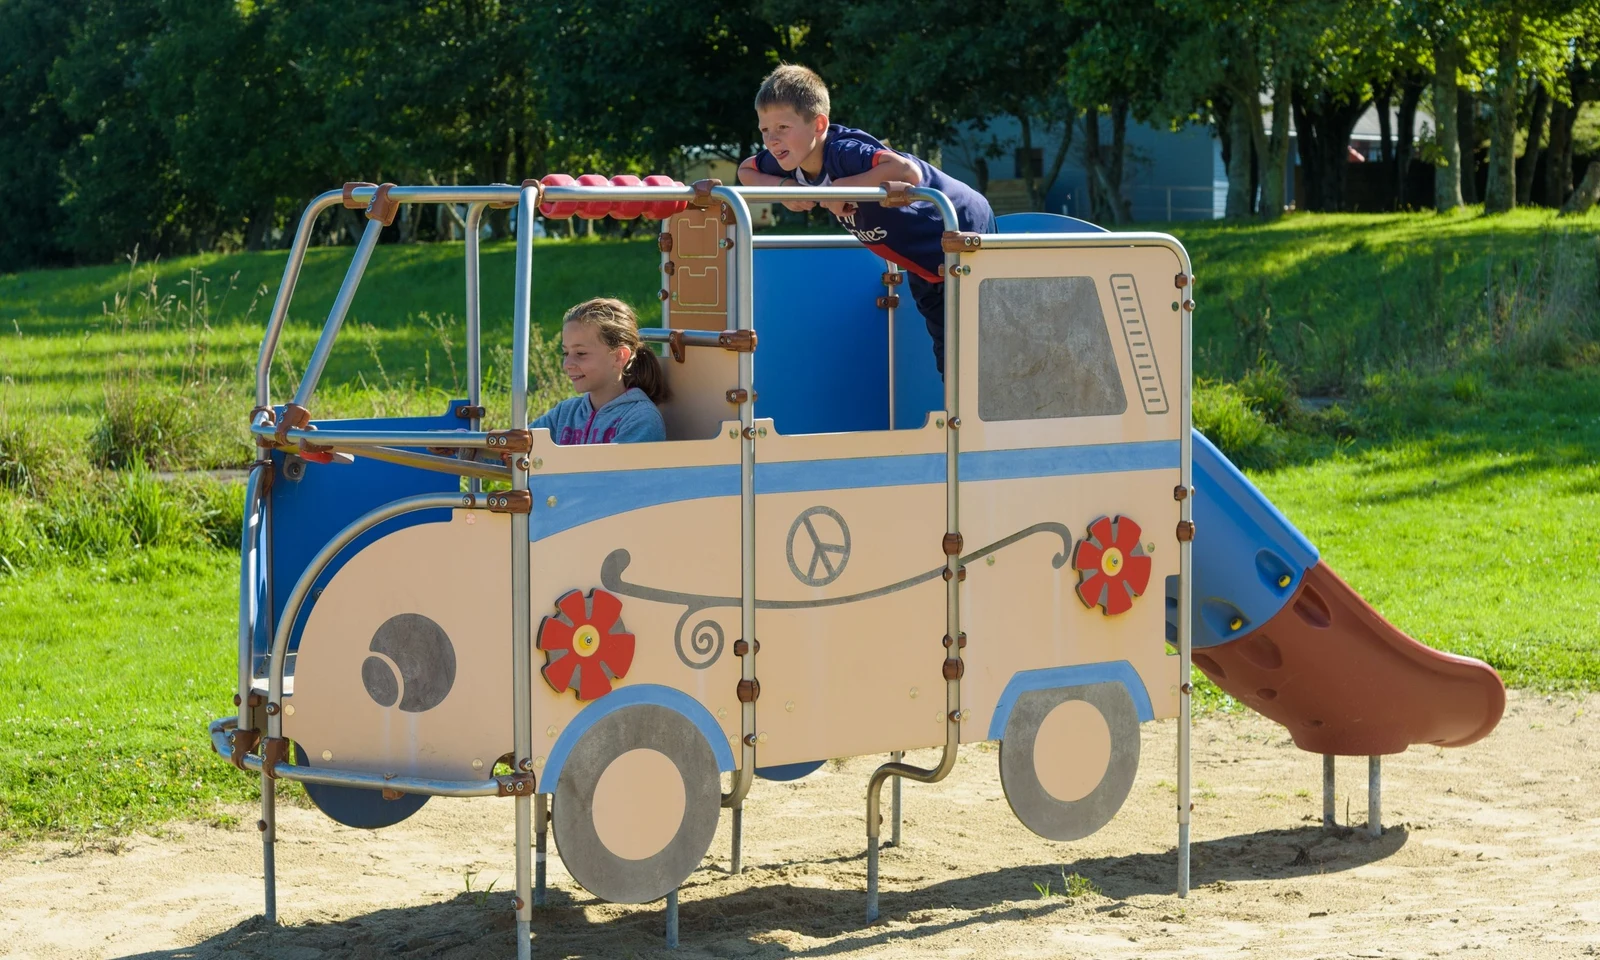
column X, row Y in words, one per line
column 630, row 418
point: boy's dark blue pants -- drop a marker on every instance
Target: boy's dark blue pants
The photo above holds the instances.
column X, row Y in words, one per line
column 930, row 303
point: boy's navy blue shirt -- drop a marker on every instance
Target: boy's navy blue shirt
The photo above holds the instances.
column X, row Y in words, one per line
column 909, row 236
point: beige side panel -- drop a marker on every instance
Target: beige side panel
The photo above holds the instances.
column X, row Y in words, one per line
column 689, row 550
column 456, row 574
column 696, row 277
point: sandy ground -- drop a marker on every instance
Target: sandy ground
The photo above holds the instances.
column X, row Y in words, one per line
column 1489, row 851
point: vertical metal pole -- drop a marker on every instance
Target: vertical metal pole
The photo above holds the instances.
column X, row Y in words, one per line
column 1328, row 819
column 341, row 307
column 1375, row 796
column 672, row 920
column 541, row 834
column 250, row 535
column 474, row 325
column 521, row 654
column 269, row 839
column 1185, row 589
column 736, row 860
column 894, row 800
column 889, row 267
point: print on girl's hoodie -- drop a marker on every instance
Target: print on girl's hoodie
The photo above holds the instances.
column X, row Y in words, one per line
column 630, row 418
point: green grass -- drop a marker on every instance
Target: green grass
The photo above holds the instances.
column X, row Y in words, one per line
column 1454, row 483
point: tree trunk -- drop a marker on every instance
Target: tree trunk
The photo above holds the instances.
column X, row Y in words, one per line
column 1500, row 194
column 1030, row 182
column 1091, row 164
column 1273, row 149
column 1119, row 144
column 1467, row 124
column 1587, row 194
column 1558, row 162
column 1447, row 175
column 1323, row 125
column 259, row 229
column 1406, row 119
column 1057, row 161
column 1535, row 148
column 1240, row 196
column 1380, row 102
column 1306, row 133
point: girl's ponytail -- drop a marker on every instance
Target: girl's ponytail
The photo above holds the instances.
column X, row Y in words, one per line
column 620, row 328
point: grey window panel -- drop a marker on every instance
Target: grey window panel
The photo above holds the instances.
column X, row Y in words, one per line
column 1044, row 351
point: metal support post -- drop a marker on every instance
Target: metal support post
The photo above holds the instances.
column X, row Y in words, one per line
column 1375, row 796
column 269, row 838
column 736, row 859
column 474, row 337
column 672, row 920
column 541, row 834
column 1328, row 817
column 521, row 635
column 894, row 802
column 336, row 315
column 1185, row 589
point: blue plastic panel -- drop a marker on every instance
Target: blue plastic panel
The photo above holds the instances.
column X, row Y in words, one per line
column 1248, row 558
column 625, row 696
column 307, row 513
column 1044, row 223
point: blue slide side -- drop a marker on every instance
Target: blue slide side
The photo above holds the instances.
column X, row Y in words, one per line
column 1248, row 558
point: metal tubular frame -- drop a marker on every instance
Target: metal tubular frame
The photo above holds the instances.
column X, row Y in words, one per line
column 336, row 314
column 952, row 571
column 744, row 320
column 379, row 444
column 1185, row 557
column 1375, row 796
column 1329, row 814
column 521, row 558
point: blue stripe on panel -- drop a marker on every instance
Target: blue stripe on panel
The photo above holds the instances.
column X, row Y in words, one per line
column 1052, row 678
column 626, row 696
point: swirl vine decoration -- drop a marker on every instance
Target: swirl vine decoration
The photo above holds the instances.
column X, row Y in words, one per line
column 705, row 642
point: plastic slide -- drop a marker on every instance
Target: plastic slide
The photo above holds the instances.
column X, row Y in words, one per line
column 1279, row 631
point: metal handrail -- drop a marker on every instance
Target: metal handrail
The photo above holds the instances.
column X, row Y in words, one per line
column 222, row 732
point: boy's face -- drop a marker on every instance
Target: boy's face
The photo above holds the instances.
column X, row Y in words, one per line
column 790, row 138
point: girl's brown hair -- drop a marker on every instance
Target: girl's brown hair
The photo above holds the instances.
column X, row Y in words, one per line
column 618, row 327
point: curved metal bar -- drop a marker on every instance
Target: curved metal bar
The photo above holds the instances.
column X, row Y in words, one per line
column 381, row 438
column 280, row 306
column 472, row 226
column 952, row 571
column 302, row 587
column 337, row 313
column 744, row 316
column 1034, row 241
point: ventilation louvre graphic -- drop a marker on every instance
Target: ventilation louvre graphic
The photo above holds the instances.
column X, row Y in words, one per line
column 1137, row 332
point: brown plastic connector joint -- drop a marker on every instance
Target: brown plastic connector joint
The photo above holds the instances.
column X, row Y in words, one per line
column 675, row 344
column 510, row 441
column 954, row 668
column 953, row 241
column 1180, row 492
column 749, row 691
column 669, row 268
column 742, row 647
column 952, row 544
column 738, row 395
column 274, row 750
column 1181, row 281
column 295, row 417
column 1185, row 531
column 382, row 208
column 515, row 785
column 390, row 793
column 702, row 192
column 470, row 413
column 961, row 574
column 738, row 341
column 244, row 742
column 889, row 302
column 1188, row 306
column 351, row 202
column 897, row 194
column 664, row 242
column 510, row 501
column 960, row 641
column 893, row 278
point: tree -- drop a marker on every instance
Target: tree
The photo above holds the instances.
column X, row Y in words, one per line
column 35, row 129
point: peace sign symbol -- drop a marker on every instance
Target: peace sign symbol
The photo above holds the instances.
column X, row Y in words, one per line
column 828, row 550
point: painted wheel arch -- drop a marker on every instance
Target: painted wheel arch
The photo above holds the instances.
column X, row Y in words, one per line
column 676, row 700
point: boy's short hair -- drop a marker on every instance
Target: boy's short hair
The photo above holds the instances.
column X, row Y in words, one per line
column 797, row 87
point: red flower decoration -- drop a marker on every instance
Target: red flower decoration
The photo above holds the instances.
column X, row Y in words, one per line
column 1113, row 565
column 585, row 644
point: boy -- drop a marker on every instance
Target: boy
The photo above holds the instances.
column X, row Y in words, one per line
column 804, row 149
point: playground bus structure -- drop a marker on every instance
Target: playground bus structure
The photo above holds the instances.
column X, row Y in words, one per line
column 1006, row 555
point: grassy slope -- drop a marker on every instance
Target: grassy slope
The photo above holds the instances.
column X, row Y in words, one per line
column 1467, row 526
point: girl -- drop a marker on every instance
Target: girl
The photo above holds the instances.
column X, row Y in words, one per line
column 620, row 379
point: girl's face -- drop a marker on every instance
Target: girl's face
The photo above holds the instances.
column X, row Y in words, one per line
column 592, row 366
column 789, row 137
